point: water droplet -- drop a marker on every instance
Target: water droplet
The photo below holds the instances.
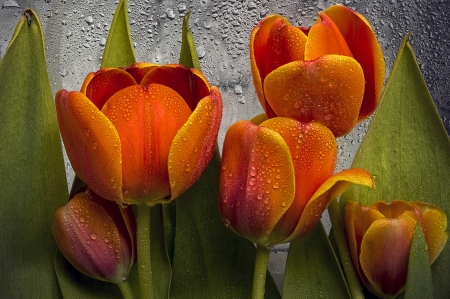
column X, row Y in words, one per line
column 227, row 222
column 94, row 146
column 253, row 171
column 329, row 117
column 87, row 132
column 286, row 97
column 82, row 219
column 252, row 181
column 276, row 186
column 93, row 236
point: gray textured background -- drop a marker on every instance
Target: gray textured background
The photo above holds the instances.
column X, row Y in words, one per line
column 76, row 32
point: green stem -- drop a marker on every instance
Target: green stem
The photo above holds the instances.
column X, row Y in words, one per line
column 259, row 275
column 124, row 287
column 143, row 251
column 341, row 240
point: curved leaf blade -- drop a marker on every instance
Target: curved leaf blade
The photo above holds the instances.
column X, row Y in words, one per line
column 188, row 53
column 32, row 173
column 407, row 150
column 312, row 268
column 119, row 51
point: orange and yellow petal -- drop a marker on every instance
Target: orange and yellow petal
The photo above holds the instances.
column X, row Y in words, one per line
column 285, row 44
column 194, row 88
column 325, row 38
column 434, row 223
column 146, row 119
column 384, row 254
column 256, row 181
column 92, row 144
column 86, row 82
column 354, row 217
column 365, row 48
column 139, row 69
column 106, row 83
column 328, row 90
column 328, row 191
column 194, row 145
column 258, row 45
column 314, row 151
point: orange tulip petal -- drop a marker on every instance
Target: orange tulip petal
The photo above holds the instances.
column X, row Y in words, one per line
column 105, row 83
column 314, row 151
column 434, row 223
column 147, row 119
column 194, row 88
column 328, row 191
column 354, row 216
column 256, row 181
column 328, row 90
column 86, row 82
column 92, row 144
column 139, row 69
column 325, row 38
column 393, row 209
column 366, row 50
column 194, row 145
column 285, row 44
column 385, row 254
column 258, row 45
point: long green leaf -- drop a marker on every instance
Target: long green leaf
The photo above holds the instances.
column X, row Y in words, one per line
column 210, row 261
column 407, row 150
column 312, row 269
column 32, row 174
column 188, row 53
column 119, row 51
column 419, row 283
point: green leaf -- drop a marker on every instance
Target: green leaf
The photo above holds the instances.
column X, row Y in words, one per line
column 75, row 285
column 32, row 174
column 407, row 150
column 188, row 53
column 312, row 269
column 119, row 51
column 210, row 261
column 419, row 283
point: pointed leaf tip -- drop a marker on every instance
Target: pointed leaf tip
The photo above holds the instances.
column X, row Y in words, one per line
column 188, row 53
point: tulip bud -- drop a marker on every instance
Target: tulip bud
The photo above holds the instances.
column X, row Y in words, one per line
column 331, row 73
column 380, row 238
column 96, row 236
column 277, row 178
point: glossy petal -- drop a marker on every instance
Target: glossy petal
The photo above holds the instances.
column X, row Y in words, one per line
column 314, row 151
column 147, row 119
column 328, row 90
column 139, row 69
column 92, row 144
column 363, row 44
column 434, row 223
column 328, row 191
column 325, row 38
column 285, row 44
column 86, row 82
column 256, row 181
column 258, row 44
column 194, row 88
column 106, row 83
column 385, row 254
column 194, row 145
column 93, row 236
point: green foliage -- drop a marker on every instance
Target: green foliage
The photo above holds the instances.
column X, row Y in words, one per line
column 32, row 174
column 407, row 150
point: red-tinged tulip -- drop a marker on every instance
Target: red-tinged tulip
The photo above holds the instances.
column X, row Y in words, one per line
column 380, row 238
column 331, row 73
column 97, row 236
column 277, row 178
column 143, row 134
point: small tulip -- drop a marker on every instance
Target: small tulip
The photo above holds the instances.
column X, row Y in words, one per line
column 277, row 178
column 331, row 73
column 380, row 238
column 143, row 134
column 96, row 236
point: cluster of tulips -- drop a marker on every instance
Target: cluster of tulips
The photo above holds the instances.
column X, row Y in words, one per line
column 143, row 135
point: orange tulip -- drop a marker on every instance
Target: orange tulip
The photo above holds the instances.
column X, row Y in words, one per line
column 331, row 73
column 380, row 238
column 277, row 178
column 96, row 236
column 140, row 134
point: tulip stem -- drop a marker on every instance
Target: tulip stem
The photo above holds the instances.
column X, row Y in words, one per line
column 125, row 288
column 259, row 275
column 143, row 251
column 341, row 240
